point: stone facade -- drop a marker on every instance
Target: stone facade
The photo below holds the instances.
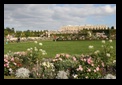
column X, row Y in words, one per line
column 76, row 28
column 71, row 28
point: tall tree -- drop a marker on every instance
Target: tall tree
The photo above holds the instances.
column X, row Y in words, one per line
column 112, row 27
column 12, row 30
column 27, row 33
column 18, row 33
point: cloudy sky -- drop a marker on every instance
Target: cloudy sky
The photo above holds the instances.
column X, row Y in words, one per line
column 53, row 16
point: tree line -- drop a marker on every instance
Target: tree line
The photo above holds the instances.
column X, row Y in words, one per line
column 31, row 33
column 27, row 33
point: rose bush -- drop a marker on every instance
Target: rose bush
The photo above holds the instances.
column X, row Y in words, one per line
column 94, row 65
column 11, row 64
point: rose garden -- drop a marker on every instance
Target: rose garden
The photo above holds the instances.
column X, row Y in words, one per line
column 66, row 56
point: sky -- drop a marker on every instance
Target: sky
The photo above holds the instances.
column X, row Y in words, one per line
column 54, row 16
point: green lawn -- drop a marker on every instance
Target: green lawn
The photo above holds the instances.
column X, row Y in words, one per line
column 52, row 48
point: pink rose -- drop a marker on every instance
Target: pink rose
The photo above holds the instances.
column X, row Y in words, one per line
column 15, row 63
column 74, row 58
column 84, row 60
column 12, row 59
column 67, row 55
column 92, row 64
column 60, row 59
column 5, row 60
column 80, row 68
column 89, row 61
column 5, row 65
column 97, row 68
column 57, row 55
column 94, row 70
column 89, row 70
column 53, row 60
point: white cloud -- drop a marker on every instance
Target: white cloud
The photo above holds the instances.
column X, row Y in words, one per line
column 52, row 16
column 109, row 9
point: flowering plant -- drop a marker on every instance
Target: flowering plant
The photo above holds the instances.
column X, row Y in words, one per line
column 78, row 66
column 33, row 55
column 22, row 73
column 107, row 54
column 44, row 70
column 64, row 61
column 11, row 64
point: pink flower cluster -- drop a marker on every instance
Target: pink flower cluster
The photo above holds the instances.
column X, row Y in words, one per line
column 89, row 60
column 61, row 56
column 11, row 63
column 74, row 59
column 6, row 63
column 80, row 68
column 87, row 65
column 88, row 70
column 57, row 56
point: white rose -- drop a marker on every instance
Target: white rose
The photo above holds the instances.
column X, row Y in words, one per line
column 40, row 44
column 75, row 76
column 36, row 49
column 28, row 49
column 103, row 41
column 111, row 47
column 110, row 41
column 10, row 69
column 44, row 63
column 96, row 52
column 35, row 41
column 90, row 47
column 108, row 55
column 114, row 61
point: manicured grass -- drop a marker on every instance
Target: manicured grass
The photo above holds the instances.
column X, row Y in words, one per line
column 9, row 77
column 52, row 48
column 13, row 77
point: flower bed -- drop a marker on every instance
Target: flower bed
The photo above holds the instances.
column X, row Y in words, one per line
column 31, row 64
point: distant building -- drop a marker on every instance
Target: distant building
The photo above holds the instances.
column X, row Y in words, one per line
column 76, row 28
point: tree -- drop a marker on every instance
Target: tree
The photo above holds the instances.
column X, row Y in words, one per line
column 112, row 27
column 8, row 29
column 108, row 27
column 38, row 33
column 5, row 32
column 27, row 33
column 18, row 33
column 12, row 30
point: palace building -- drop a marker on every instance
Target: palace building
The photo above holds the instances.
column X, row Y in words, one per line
column 74, row 28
